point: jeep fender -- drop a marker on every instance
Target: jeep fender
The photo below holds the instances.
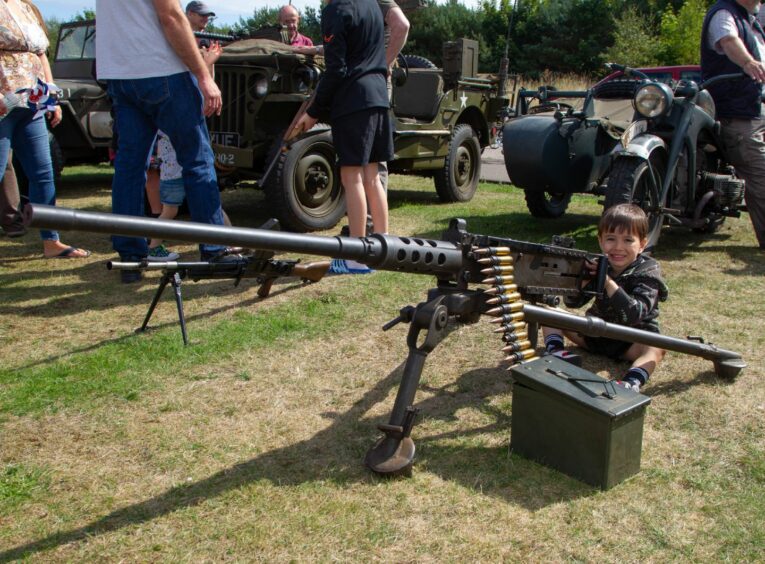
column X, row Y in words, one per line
column 642, row 146
column 475, row 119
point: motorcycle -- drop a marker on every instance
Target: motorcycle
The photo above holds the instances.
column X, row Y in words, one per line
column 633, row 140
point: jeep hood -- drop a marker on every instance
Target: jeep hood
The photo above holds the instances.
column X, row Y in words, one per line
column 257, row 51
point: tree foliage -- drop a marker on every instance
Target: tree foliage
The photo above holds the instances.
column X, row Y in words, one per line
column 680, row 34
column 635, row 41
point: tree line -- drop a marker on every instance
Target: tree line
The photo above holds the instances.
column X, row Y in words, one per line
column 561, row 36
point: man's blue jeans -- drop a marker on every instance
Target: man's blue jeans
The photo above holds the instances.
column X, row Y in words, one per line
column 174, row 105
column 29, row 139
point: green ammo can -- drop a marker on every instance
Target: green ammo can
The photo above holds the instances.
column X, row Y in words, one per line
column 577, row 422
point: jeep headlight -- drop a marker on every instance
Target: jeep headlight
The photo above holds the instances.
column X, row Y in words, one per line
column 257, row 85
column 306, row 78
column 653, row 99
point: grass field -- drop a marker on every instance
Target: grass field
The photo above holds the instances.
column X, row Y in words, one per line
column 248, row 444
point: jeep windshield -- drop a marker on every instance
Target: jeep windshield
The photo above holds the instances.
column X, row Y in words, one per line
column 77, row 42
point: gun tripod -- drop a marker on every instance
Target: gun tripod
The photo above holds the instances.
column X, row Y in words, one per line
column 393, row 454
column 174, row 279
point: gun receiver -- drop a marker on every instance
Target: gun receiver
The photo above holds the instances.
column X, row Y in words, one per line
column 513, row 270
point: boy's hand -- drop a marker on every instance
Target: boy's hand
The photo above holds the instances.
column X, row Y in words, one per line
column 591, row 271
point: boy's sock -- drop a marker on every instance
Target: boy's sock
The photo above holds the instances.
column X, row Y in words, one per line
column 554, row 343
column 636, row 377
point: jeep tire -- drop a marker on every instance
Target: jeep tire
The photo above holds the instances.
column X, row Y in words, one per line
column 417, row 62
column 56, row 157
column 304, row 192
column 458, row 180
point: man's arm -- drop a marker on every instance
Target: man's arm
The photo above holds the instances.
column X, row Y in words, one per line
column 398, row 24
column 178, row 32
column 735, row 50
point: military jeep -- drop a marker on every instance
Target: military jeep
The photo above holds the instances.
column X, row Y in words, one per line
column 443, row 119
column 85, row 132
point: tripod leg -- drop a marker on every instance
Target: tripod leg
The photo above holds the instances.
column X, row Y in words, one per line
column 176, row 282
column 394, row 453
column 155, row 300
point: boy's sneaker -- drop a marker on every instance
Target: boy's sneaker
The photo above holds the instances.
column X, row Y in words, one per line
column 342, row 266
column 161, row 254
column 569, row 357
column 630, row 384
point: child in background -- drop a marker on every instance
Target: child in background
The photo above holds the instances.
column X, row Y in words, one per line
column 633, row 290
column 171, row 194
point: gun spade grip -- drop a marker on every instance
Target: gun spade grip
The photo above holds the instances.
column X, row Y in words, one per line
column 600, row 278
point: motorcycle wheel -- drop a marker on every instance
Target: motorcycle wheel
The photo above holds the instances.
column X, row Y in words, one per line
column 546, row 204
column 458, row 180
column 629, row 183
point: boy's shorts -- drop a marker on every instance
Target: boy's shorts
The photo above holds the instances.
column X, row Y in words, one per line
column 363, row 137
column 172, row 192
column 612, row 348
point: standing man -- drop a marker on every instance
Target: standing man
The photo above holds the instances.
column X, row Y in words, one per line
column 198, row 14
column 290, row 18
column 157, row 79
column 396, row 30
column 733, row 41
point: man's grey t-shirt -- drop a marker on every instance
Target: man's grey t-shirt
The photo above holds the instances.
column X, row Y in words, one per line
column 130, row 42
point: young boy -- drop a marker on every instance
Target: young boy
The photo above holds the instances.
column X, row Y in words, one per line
column 633, row 289
column 353, row 93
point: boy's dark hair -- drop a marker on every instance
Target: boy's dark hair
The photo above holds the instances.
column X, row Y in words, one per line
column 624, row 217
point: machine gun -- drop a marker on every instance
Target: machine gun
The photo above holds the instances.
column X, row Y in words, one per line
column 515, row 272
column 274, row 32
column 219, row 37
column 259, row 265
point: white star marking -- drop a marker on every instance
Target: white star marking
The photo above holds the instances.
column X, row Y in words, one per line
column 463, row 100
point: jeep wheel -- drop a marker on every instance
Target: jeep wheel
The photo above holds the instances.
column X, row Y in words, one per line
column 546, row 204
column 304, row 192
column 417, row 62
column 458, row 180
column 57, row 158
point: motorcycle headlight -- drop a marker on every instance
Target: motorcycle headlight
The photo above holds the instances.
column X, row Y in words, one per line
column 705, row 102
column 258, row 86
column 653, row 99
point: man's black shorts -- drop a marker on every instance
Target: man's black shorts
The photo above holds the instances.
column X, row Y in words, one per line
column 363, row 137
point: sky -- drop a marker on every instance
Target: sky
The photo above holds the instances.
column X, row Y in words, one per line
column 227, row 11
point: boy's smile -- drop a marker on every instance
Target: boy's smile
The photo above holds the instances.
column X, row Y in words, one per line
column 621, row 248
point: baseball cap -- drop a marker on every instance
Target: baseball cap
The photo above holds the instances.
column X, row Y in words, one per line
column 199, row 8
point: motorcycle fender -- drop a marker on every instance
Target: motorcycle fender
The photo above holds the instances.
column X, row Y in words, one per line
column 642, row 146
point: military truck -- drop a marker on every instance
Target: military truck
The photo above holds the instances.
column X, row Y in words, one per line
column 443, row 119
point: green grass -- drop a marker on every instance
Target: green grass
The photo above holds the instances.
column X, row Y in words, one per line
column 247, row 445
column 111, row 372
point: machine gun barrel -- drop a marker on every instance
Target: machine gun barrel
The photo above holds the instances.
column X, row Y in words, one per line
column 222, row 37
column 386, row 252
column 727, row 363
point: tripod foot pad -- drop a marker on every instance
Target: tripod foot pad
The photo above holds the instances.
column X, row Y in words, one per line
column 391, row 457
